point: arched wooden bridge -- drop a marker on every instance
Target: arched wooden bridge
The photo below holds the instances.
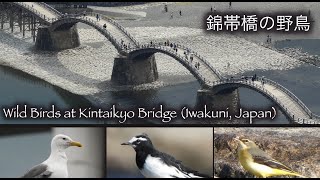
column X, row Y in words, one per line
column 207, row 76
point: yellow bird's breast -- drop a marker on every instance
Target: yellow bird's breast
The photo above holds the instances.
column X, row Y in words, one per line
column 249, row 165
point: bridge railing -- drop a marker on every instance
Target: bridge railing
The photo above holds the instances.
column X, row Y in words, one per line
column 123, row 30
column 36, row 12
column 50, row 8
column 87, row 20
column 117, row 25
column 290, row 94
column 282, row 105
column 203, row 60
column 256, row 86
column 316, row 116
column 217, row 73
column 181, row 59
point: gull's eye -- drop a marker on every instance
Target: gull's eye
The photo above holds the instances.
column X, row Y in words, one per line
column 64, row 139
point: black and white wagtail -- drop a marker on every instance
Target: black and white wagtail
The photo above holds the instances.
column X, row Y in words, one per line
column 155, row 164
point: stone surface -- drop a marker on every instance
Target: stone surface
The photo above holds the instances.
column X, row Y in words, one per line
column 220, row 101
column 298, row 148
column 134, row 71
column 58, row 39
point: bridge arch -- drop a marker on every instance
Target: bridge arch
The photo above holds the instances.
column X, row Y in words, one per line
column 40, row 16
column 303, row 114
column 235, row 85
column 135, row 54
column 67, row 22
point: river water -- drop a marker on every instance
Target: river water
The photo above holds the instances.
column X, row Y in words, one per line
column 20, row 88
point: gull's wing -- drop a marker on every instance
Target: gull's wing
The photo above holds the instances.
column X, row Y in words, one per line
column 262, row 157
column 39, row 171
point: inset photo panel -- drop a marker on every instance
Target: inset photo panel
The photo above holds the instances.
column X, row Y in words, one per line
column 52, row 152
column 247, row 152
column 159, row 152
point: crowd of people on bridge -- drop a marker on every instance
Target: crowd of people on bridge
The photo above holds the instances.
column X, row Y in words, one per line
column 124, row 45
column 252, row 78
column 189, row 55
column 187, row 52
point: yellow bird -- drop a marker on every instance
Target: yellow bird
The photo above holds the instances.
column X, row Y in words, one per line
column 259, row 163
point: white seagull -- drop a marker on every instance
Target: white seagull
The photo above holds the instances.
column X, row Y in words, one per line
column 56, row 165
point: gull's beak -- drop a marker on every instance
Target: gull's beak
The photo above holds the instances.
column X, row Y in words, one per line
column 74, row 143
column 127, row 143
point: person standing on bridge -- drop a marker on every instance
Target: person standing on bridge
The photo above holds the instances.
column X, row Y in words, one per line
column 180, row 13
column 262, row 80
column 171, row 15
column 98, row 18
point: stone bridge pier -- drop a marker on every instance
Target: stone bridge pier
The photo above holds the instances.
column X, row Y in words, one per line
column 228, row 98
column 134, row 71
column 64, row 37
